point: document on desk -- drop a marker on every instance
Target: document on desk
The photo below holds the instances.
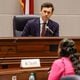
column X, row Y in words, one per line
column 28, row 63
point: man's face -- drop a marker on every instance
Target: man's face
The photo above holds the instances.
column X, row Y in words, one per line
column 46, row 13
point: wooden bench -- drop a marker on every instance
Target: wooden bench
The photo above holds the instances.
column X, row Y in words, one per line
column 12, row 50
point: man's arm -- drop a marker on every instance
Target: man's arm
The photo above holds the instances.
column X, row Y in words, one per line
column 26, row 30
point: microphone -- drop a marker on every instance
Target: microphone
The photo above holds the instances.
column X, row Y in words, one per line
column 49, row 29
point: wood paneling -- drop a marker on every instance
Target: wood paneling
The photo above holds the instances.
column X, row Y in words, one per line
column 12, row 50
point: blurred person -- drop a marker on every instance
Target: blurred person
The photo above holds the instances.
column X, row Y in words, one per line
column 71, row 77
column 35, row 27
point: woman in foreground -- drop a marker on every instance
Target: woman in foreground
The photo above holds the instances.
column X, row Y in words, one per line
column 68, row 62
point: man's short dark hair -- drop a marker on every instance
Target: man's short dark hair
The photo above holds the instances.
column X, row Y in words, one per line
column 48, row 5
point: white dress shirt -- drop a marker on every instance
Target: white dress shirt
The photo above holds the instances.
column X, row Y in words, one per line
column 41, row 23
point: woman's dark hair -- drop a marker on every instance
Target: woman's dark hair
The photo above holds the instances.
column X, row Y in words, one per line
column 68, row 49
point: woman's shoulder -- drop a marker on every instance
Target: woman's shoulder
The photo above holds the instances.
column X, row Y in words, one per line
column 58, row 61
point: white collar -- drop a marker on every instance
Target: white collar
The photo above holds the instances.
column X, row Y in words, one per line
column 41, row 21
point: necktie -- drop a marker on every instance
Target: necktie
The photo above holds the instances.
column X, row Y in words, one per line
column 43, row 29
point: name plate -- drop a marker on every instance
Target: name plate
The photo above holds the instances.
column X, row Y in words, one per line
column 27, row 63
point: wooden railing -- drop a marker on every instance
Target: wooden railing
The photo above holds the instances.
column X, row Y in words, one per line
column 12, row 50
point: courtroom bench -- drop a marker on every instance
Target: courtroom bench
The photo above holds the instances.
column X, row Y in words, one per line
column 32, row 46
column 23, row 74
column 14, row 62
column 12, row 50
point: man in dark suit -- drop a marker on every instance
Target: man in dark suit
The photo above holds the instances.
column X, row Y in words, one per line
column 34, row 27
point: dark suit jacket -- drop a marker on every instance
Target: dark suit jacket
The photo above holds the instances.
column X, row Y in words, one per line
column 32, row 28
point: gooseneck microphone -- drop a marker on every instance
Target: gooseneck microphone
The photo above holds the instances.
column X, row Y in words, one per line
column 49, row 29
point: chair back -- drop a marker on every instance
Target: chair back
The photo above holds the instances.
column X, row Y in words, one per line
column 19, row 22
